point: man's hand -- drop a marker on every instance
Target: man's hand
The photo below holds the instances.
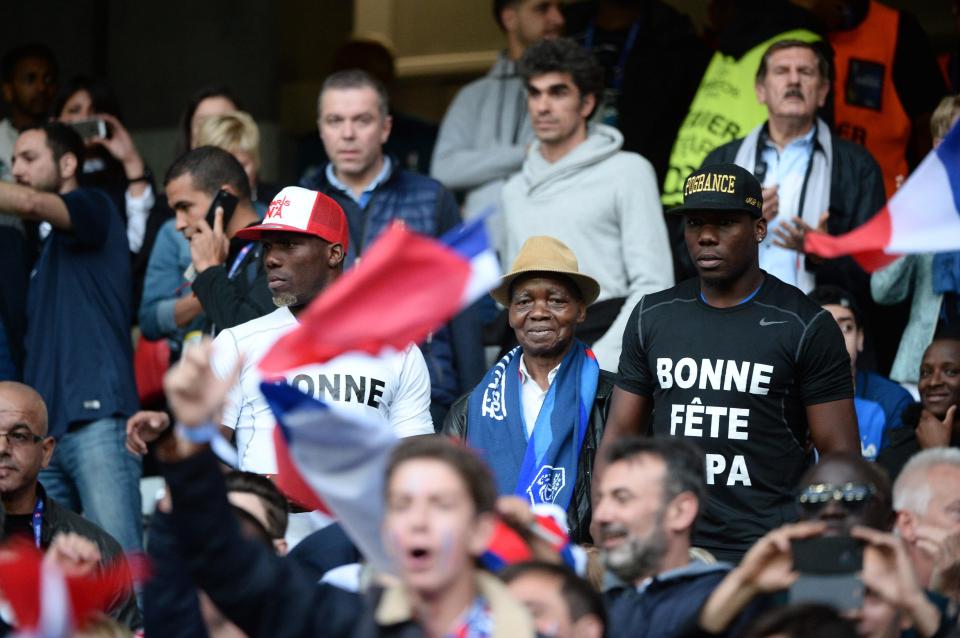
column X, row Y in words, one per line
column 945, row 578
column 932, row 432
column 195, row 394
column 768, row 566
column 145, row 427
column 73, row 555
column 209, row 246
column 888, row 572
column 771, row 202
column 791, row 234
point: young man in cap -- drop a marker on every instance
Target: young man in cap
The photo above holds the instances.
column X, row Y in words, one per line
column 537, row 416
column 740, row 363
column 304, row 238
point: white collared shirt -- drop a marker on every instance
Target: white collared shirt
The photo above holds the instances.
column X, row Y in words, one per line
column 531, row 396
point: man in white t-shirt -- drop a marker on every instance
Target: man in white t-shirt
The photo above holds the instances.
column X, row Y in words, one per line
column 305, row 238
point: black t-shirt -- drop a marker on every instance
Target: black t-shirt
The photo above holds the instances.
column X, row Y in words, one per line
column 18, row 526
column 736, row 381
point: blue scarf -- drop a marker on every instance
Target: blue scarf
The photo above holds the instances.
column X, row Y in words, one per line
column 543, row 467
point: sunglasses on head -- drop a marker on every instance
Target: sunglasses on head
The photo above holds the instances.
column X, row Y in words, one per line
column 816, row 496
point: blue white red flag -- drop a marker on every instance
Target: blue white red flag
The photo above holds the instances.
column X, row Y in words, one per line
column 334, row 460
column 923, row 216
column 406, row 286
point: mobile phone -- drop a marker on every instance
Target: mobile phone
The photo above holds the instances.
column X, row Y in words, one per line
column 92, row 129
column 827, row 555
column 829, row 568
column 223, row 200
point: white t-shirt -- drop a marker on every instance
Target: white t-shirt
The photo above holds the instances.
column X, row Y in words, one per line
column 395, row 386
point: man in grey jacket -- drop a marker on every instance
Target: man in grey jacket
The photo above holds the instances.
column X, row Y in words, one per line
column 485, row 132
column 578, row 186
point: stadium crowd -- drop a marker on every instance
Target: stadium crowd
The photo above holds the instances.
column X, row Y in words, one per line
column 670, row 416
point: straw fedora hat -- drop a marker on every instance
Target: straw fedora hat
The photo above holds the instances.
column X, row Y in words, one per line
column 549, row 256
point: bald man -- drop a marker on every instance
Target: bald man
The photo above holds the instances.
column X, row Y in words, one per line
column 25, row 449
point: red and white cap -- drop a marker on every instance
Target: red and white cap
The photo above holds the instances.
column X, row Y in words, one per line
column 299, row 210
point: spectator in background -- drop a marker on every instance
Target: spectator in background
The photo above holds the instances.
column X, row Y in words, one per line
column 411, row 139
column 486, row 131
column 931, row 281
column 811, row 177
column 197, row 279
column 649, row 498
column 31, row 514
column 725, row 106
column 78, row 340
column 238, row 134
column 926, row 499
column 932, row 422
column 28, row 79
column 28, row 74
column 562, row 604
column 112, row 162
column 642, row 45
column 210, row 100
column 879, row 402
column 887, row 82
column 577, row 183
column 374, row 190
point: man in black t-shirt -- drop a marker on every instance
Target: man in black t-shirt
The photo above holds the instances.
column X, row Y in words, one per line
column 737, row 362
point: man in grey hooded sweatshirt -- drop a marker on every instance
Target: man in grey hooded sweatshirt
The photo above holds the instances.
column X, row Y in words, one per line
column 578, row 186
column 485, row 133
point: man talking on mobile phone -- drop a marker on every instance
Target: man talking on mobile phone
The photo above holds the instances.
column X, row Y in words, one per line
column 197, row 278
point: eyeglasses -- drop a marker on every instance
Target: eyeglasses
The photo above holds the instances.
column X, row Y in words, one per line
column 818, row 495
column 20, row 438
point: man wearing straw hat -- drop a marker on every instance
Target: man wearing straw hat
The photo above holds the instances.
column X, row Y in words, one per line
column 537, row 416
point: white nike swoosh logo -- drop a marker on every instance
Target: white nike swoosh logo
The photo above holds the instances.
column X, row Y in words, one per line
column 764, row 322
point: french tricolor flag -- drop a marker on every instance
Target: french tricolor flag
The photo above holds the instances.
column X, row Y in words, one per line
column 405, row 286
column 923, row 216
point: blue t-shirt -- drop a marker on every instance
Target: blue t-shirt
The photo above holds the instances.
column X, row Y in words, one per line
column 78, row 349
column 889, row 394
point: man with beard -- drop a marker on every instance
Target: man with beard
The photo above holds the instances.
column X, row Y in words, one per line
column 305, row 238
column 648, row 500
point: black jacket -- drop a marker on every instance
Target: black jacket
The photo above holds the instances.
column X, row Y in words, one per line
column 260, row 592
column 60, row 520
column 579, row 512
column 229, row 302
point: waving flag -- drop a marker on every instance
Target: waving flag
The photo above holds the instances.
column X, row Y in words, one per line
column 334, row 460
column 406, row 286
column 48, row 604
column 923, row 216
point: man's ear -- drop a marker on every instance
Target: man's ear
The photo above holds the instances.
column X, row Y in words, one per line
column 508, row 17
column 682, row 512
column 761, row 92
column 587, row 103
column 335, row 255
column 905, row 526
column 230, row 189
column 582, row 313
column 588, row 626
column 48, row 445
column 822, row 91
column 7, row 92
column 387, row 127
column 68, row 166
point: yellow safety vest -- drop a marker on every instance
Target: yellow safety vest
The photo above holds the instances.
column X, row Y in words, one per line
column 724, row 109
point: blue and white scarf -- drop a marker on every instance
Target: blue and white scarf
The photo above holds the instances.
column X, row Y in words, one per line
column 543, row 467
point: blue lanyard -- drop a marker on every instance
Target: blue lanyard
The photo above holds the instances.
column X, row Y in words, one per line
column 236, row 262
column 37, row 522
column 624, row 52
column 739, row 303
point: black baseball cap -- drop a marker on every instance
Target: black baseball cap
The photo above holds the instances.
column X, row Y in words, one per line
column 722, row 187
